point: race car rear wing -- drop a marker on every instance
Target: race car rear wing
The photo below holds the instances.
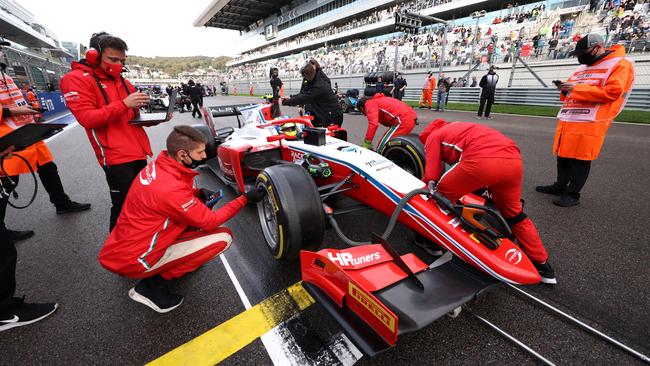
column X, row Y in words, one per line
column 228, row 110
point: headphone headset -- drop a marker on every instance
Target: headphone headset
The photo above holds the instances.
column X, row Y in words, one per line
column 94, row 53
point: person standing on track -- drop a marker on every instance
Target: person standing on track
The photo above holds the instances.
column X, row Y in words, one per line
column 317, row 96
column 196, row 96
column 427, row 90
column 488, row 86
column 443, row 90
column 165, row 229
column 400, row 86
column 17, row 112
column 483, row 157
column 592, row 97
column 276, row 86
column 103, row 102
column 390, row 112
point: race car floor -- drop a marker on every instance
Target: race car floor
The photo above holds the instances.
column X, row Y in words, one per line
column 599, row 250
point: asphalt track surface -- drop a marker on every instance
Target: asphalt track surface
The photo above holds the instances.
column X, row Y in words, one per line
column 599, row 250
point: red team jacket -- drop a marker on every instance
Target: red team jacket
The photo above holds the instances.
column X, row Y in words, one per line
column 114, row 140
column 387, row 111
column 160, row 205
column 450, row 142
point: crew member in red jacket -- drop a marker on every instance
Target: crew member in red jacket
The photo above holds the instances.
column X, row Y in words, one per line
column 483, row 158
column 104, row 102
column 164, row 230
column 390, row 112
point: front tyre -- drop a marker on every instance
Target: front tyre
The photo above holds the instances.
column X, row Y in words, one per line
column 291, row 213
column 407, row 152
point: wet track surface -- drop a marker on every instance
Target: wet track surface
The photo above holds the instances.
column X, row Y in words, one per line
column 599, row 250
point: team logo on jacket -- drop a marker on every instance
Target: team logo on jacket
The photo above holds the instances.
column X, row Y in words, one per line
column 70, row 96
column 513, row 256
column 187, row 205
column 148, row 174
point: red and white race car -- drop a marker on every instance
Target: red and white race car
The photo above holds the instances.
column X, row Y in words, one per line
column 373, row 292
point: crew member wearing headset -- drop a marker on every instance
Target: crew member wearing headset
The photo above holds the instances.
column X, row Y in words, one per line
column 387, row 111
column 16, row 113
column 592, row 97
column 165, row 230
column 104, row 102
column 484, row 157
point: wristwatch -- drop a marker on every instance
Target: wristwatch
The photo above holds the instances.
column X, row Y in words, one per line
column 6, row 112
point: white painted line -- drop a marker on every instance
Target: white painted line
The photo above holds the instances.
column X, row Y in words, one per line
column 282, row 346
column 525, row 115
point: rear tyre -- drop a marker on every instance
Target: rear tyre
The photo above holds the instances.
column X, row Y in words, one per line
column 211, row 146
column 291, row 213
column 407, row 152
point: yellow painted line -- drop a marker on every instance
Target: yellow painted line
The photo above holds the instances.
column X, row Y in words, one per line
column 229, row 337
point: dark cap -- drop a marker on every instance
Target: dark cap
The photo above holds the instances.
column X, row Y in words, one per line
column 587, row 42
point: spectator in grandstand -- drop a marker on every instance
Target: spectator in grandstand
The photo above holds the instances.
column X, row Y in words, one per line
column 427, row 90
column 164, row 208
column 276, row 86
column 443, row 89
column 390, row 112
column 483, row 157
column 598, row 102
column 105, row 114
column 552, row 48
column 318, row 98
column 488, row 86
column 399, row 87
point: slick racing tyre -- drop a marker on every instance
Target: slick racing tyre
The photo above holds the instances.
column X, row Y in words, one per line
column 291, row 213
column 407, row 152
column 211, row 146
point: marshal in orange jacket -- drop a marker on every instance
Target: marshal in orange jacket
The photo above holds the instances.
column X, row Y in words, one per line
column 37, row 154
column 599, row 95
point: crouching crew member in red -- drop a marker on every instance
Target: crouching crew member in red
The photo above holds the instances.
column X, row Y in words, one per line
column 164, row 230
column 104, row 102
column 390, row 112
column 484, row 158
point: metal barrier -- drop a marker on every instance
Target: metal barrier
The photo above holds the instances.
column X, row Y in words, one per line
column 639, row 99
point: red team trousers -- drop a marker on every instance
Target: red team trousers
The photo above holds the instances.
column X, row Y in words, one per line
column 503, row 178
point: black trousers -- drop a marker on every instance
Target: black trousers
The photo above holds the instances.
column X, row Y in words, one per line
column 572, row 174
column 119, row 178
column 7, row 269
column 7, row 258
column 51, row 181
column 195, row 108
column 275, row 108
column 486, row 101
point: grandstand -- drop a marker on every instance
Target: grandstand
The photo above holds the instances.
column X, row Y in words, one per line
column 35, row 55
column 350, row 38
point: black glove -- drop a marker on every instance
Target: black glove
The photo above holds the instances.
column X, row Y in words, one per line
column 255, row 194
column 205, row 194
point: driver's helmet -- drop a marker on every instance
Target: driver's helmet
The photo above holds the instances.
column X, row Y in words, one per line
column 290, row 130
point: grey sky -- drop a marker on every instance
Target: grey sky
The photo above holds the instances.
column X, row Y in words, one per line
column 149, row 27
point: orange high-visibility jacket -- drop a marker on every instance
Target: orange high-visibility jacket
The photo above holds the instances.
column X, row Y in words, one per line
column 589, row 109
column 37, row 154
column 429, row 83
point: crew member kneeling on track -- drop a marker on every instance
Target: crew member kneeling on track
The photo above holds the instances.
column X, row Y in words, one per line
column 164, row 230
column 483, row 157
column 390, row 112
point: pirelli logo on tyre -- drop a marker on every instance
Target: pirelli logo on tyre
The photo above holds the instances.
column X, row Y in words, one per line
column 372, row 306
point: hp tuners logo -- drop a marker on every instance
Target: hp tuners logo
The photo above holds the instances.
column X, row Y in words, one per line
column 513, row 256
column 346, row 259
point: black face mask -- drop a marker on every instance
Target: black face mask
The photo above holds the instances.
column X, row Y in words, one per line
column 587, row 59
column 195, row 163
